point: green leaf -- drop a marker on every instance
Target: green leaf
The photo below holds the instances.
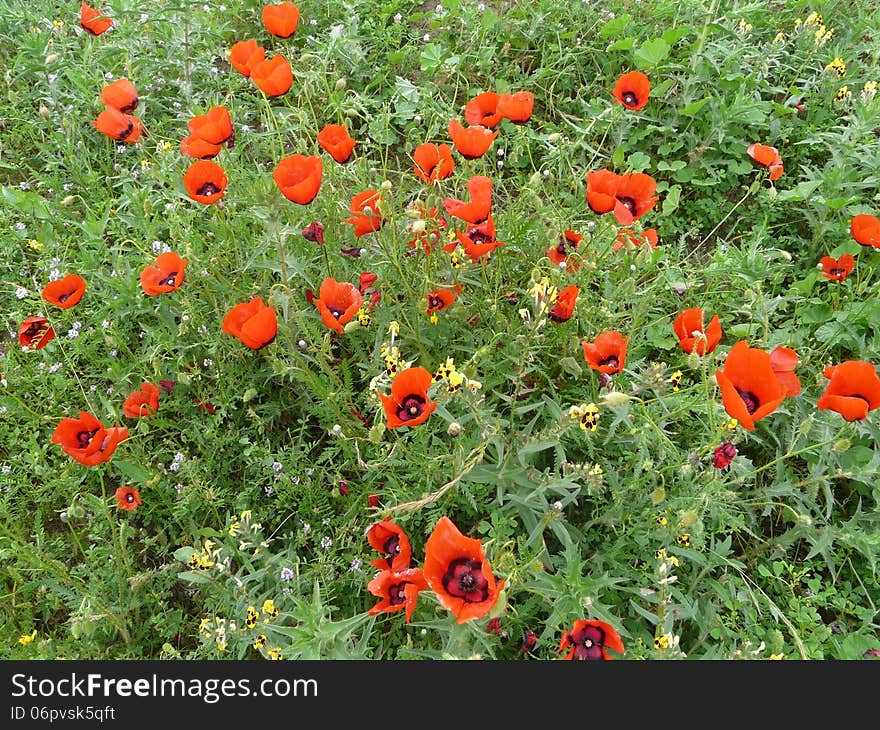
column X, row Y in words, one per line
column 695, row 106
column 638, row 161
column 624, row 44
column 670, row 200
column 615, row 26
column 651, row 52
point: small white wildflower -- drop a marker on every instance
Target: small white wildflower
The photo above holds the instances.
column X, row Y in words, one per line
column 207, row 362
column 73, row 333
column 355, row 566
column 307, row 528
column 398, row 17
column 114, row 353
column 6, row 468
column 55, row 367
column 20, row 226
column 277, row 466
column 313, row 21
column 21, row 292
column 326, row 542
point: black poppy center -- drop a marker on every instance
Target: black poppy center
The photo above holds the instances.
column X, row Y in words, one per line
column 169, row 280
column 35, row 328
column 208, row 188
column 750, row 399
column 392, row 547
column 124, row 134
column 464, row 579
column 84, row 438
column 630, row 99
column 589, row 644
column 611, row 361
column 130, row 107
column 336, row 311
column 629, row 204
column 435, row 302
column 837, row 272
column 429, row 170
column 396, row 594
column 64, row 297
column 411, row 407
column 129, row 497
column 477, row 236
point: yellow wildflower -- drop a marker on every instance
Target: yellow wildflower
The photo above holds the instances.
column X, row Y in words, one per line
column 25, row 639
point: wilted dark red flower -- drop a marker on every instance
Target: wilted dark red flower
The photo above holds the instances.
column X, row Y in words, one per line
column 92, row 20
column 494, row 626
column 632, row 90
column 471, row 142
column 529, row 641
column 559, row 254
column 166, row 275
column 338, row 302
column 397, row 591
column 65, row 292
column 768, row 157
column 865, row 230
column 837, row 269
column 205, row 182
column 121, row 95
column 634, row 197
column 389, row 539
column 692, row 336
column 590, row 639
column 607, row 353
column 253, row 322
column 373, row 501
column 273, row 76
column 625, row 238
column 433, row 162
column 478, row 210
column 564, row 306
column 281, row 19
column 853, row 389
column 457, row 571
column 516, row 107
column 601, row 190
column 213, row 127
column 723, row 455
column 750, row 389
column 783, row 361
column 86, row 440
column 336, row 142
column 244, row 55
column 35, row 333
column 298, row 177
column 116, row 125
column 314, row 232
column 366, row 221
column 483, row 110
column 366, row 280
column 408, row 404
column 440, row 299
column 143, row 402
column 127, row 498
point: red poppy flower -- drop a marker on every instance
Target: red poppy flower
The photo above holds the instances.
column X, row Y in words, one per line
column 853, row 389
column 471, row 142
column 143, row 402
column 35, row 333
column 338, row 302
column 590, row 639
column 478, row 241
column 632, row 90
column 483, row 110
column 433, row 162
column 65, row 292
column 121, row 95
column 692, row 336
column 298, row 177
column 253, row 322
column 723, row 455
column 768, row 157
column 165, row 276
column 86, row 440
column 607, row 353
column 205, row 182
column 865, row 229
column 408, row 404
column 273, row 76
column 366, row 221
column 837, row 269
column 366, row 280
column 336, row 142
column 440, row 299
column 434, row 225
column 314, row 232
column 783, row 361
column 116, row 125
column 564, row 307
column 127, row 498
column 389, row 539
column 214, row 127
column 750, row 389
column 457, row 571
column 397, row 591
column 281, row 19
column 478, row 210
column 601, row 190
column 193, row 146
column 516, row 107
column 244, row 55
column 634, row 197
column 93, row 21
column 625, row 237
column 559, row 253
